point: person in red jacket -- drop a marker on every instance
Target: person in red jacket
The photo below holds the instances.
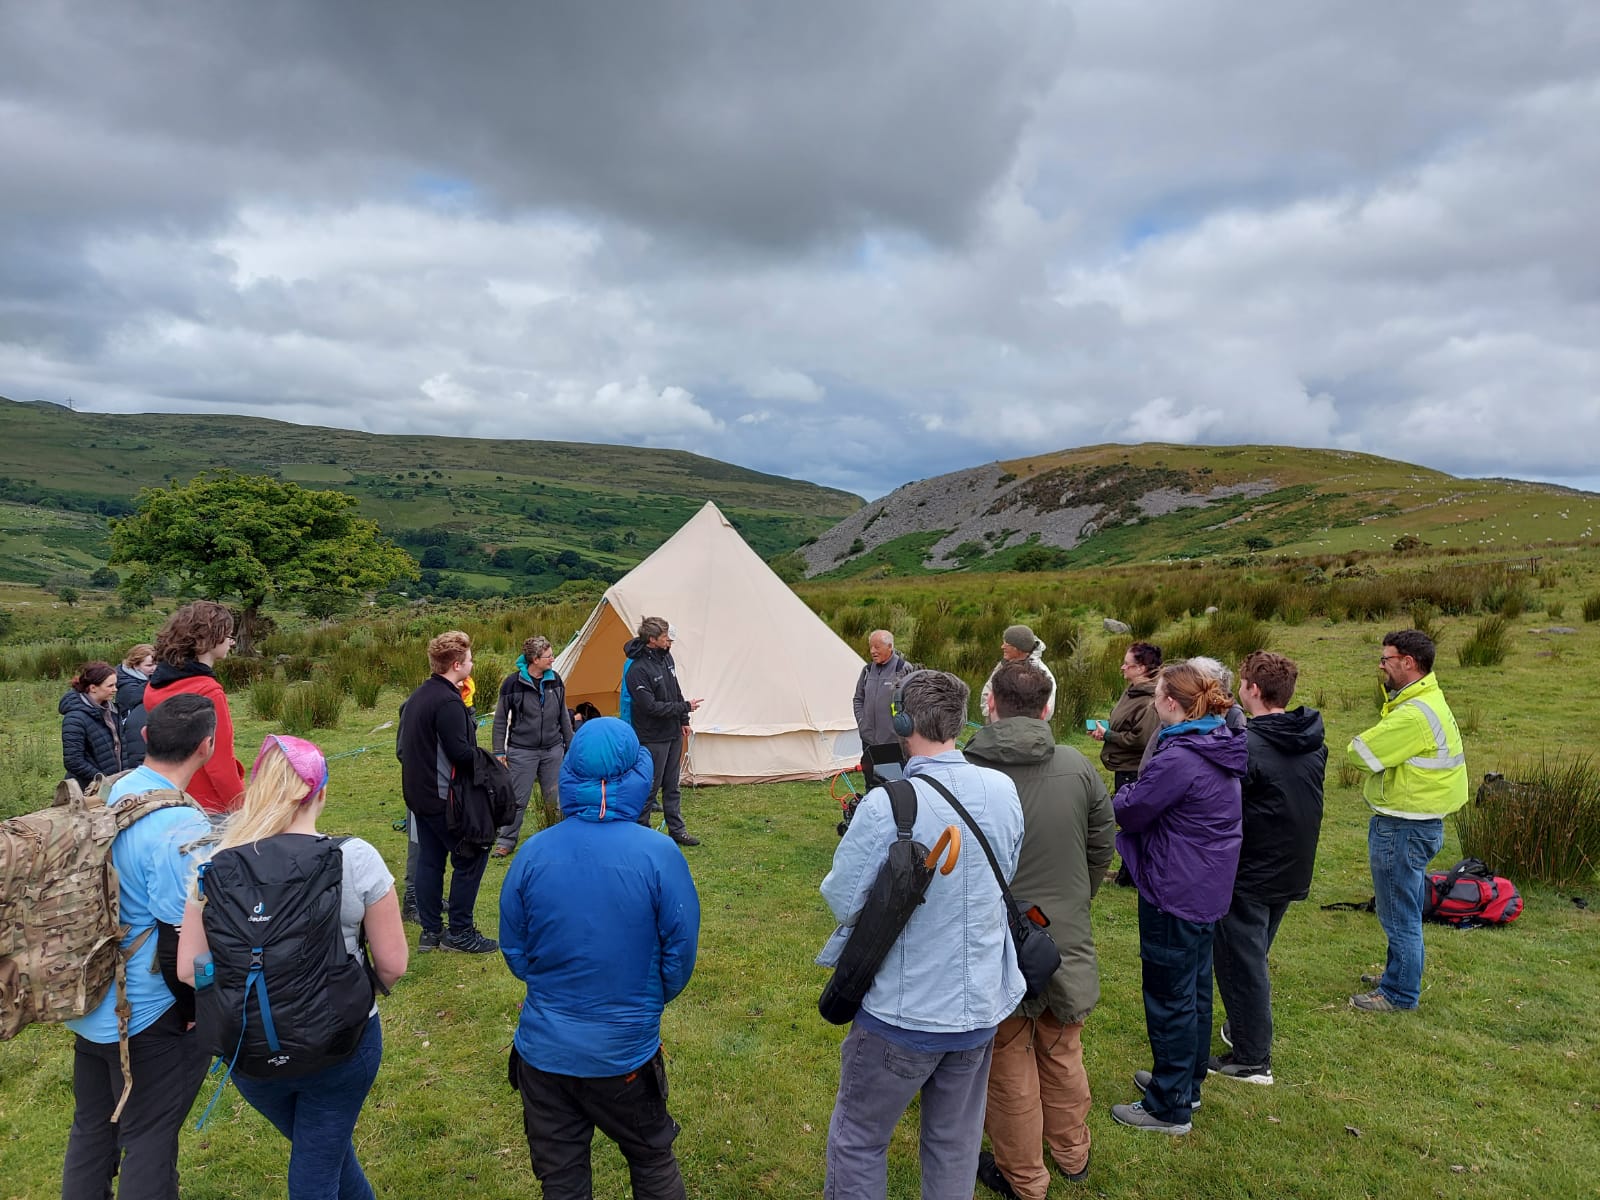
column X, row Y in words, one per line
column 189, row 645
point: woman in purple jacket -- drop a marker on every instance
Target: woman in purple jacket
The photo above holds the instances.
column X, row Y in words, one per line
column 1182, row 825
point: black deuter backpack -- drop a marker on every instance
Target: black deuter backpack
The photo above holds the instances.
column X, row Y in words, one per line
column 287, row 998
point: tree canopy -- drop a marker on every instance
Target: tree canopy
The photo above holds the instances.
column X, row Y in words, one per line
column 249, row 538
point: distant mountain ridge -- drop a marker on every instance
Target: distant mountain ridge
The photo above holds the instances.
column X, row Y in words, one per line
column 1114, row 503
column 501, row 514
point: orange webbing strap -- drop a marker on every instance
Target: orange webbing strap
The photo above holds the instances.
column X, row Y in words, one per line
column 124, row 1012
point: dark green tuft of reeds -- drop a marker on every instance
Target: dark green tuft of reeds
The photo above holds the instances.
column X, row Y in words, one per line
column 266, row 697
column 1591, row 608
column 1540, row 822
column 1489, row 644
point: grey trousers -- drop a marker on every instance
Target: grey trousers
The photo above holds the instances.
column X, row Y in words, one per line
column 877, row 1080
column 528, row 767
column 667, row 758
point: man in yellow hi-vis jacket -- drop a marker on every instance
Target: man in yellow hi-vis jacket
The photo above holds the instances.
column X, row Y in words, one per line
column 1418, row 776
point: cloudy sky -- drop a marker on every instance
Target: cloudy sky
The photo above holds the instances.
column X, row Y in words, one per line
column 855, row 243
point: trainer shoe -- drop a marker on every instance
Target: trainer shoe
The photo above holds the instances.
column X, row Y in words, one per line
column 686, row 839
column 1227, row 1034
column 990, row 1175
column 1074, row 1176
column 469, row 941
column 1373, row 1001
column 427, row 941
column 1229, row 1069
column 1141, row 1080
column 408, row 910
column 1134, row 1116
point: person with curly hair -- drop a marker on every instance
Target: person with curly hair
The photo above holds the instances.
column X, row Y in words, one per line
column 190, row 644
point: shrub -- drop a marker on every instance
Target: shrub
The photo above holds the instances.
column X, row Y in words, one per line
column 1544, row 826
column 1488, row 645
column 1425, row 619
column 327, row 702
column 266, row 698
column 295, row 715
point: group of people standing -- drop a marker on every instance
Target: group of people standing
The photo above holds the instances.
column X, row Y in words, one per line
column 1216, row 814
column 599, row 916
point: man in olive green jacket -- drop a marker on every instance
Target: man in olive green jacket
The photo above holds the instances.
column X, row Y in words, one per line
column 1037, row 1085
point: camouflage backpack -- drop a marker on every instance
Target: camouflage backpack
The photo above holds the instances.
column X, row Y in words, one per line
column 60, row 936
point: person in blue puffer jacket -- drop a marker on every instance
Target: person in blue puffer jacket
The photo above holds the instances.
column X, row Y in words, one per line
column 600, row 918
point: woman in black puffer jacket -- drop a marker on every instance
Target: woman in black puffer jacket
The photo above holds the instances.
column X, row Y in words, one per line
column 91, row 735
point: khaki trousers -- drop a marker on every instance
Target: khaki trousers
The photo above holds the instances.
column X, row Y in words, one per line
column 1038, row 1092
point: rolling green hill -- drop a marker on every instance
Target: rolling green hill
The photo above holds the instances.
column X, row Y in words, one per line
column 507, row 515
column 1121, row 504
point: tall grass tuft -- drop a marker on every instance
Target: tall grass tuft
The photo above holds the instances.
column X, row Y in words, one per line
column 1425, row 619
column 366, row 685
column 327, row 702
column 296, row 715
column 1350, row 774
column 1591, row 608
column 266, row 697
column 1542, row 822
column 1489, row 644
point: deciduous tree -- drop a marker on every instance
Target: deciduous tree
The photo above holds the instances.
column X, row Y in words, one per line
column 250, row 538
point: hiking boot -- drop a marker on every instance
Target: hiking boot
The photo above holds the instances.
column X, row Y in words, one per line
column 990, row 1176
column 427, row 941
column 408, row 910
column 469, row 941
column 686, row 839
column 1226, row 1033
column 1141, row 1080
column 1135, row 1117
column 1229, row 1069
column 1373, row 1001
column 1074, row 1176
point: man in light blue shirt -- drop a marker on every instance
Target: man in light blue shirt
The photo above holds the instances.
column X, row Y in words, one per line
column 927, row 1023
column 166, row 1061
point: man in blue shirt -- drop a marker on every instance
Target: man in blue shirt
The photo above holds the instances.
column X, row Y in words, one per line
column 927, row 1023
column 165, row 1057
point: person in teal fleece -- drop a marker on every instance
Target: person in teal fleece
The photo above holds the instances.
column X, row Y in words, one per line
column 532, row 730
column 599, row 917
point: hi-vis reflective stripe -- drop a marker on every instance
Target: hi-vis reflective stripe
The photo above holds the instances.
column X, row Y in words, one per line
column 1444, row 760
column 1374, row 763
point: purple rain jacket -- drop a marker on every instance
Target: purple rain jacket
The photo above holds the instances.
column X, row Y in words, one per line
column 1182, row 822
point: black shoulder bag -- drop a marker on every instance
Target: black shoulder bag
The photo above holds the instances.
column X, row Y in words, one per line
column 1038, row 957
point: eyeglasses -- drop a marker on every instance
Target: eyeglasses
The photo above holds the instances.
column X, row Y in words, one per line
column 1384, row 659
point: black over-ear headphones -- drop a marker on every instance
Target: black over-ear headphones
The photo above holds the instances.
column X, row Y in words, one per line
column 904, row 726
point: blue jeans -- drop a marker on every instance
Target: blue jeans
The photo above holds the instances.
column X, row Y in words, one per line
column 1176, row 959
column 317, row 1113
column 877, row 1080
column 1399, row 852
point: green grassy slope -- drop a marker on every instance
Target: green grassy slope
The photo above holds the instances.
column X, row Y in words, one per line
column 489, row 494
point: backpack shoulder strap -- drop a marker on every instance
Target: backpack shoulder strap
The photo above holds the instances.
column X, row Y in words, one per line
column 141, row 804
column 903, row 803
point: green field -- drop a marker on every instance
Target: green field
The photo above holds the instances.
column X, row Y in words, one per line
column 63, row 473
column 1488, row 1090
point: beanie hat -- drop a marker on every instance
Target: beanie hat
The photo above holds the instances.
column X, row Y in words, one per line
column 1020, row 637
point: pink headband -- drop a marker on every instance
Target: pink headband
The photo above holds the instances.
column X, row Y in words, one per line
column 304, row 758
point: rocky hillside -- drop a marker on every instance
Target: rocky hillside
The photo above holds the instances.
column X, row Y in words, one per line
column 1141, row 503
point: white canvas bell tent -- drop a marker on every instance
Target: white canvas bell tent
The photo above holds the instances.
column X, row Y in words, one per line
column 778, row 683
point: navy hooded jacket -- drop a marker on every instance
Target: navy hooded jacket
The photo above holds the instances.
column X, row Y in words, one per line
column 598, row 916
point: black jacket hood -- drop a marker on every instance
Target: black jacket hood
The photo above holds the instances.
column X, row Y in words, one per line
column 166, row 675
column 1293, row 733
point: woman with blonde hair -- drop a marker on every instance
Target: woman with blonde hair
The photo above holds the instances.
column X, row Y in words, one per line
column 1182, row 825
column 133, row 675
column 271, row 849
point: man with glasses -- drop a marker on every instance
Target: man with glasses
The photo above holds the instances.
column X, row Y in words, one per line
column 1418, row 775
column 532, row 730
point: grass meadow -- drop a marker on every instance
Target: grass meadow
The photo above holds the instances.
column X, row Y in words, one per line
column 1489, row 1090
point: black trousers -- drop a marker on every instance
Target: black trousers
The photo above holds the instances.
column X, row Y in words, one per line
column 1175, row 962
column 668, row 757
column 434, row 845
column 1239, row 951
column 168, row 1066
column 561, row 1112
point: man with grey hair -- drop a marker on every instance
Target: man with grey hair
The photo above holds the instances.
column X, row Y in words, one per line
column 532, row 730
column 927, row 1023
column 655, row 705
column 884, row 669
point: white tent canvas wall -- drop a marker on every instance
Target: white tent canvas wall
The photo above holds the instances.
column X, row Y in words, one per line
column 778, row 684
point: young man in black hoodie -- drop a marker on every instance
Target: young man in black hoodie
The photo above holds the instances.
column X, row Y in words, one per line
column 1282, row 794
column 655, row 705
